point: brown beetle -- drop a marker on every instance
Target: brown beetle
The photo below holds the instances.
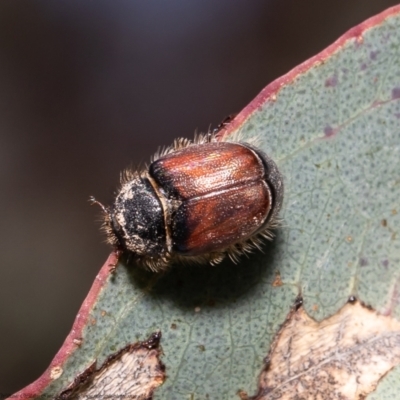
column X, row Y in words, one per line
column 196, row 201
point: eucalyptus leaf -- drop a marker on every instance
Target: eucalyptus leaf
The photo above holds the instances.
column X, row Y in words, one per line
column 333, row 127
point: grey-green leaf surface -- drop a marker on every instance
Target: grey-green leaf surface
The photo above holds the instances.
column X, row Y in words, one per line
column 333, row 126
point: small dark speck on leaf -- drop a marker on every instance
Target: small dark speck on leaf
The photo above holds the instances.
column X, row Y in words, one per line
column 385, row 263
column 352, row 299
column 363, row 262
column 174, row 326
column 267, row 361
column 153, row 341
column 363, row 66
column 298, row 303
column 331, row 82
column 329, row 131
column 384, row 223
column 396, row 93
column 373, row 55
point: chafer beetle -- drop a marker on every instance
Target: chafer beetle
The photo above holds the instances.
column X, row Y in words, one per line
column 197, row 201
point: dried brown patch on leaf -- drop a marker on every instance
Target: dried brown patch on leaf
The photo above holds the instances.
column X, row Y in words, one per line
column 342, row 357
column 134, row 372
column 278, row 280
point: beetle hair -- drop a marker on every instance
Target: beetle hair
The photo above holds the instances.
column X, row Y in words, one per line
column 181, row 143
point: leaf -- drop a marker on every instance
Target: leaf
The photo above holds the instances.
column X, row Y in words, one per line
column 333, row 126
column 342, row 357
column 133, row 372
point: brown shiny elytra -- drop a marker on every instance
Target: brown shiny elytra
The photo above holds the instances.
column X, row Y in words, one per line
column 197, row 202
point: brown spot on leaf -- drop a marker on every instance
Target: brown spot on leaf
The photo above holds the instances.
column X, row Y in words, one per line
column 384, row 223
column 341, row 357
column 242, row 395
column 278, row 280
column 134, row 372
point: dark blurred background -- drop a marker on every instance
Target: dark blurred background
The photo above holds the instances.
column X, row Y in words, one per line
column 86, row 89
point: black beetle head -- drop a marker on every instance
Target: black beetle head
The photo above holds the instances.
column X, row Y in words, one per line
column 137, row 219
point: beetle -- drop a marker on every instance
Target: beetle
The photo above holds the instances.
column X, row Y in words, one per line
column 197, row 201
